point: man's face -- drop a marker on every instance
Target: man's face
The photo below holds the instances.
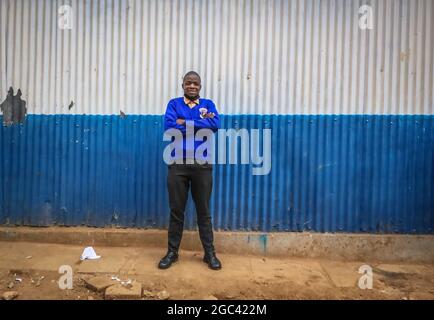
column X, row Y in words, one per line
column 191, row 86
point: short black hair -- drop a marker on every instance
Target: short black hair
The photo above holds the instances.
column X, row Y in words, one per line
column 191, row 73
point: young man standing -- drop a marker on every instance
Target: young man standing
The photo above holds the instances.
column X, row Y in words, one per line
column 203, row 114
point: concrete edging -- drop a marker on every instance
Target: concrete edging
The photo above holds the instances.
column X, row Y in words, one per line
column 355, row 247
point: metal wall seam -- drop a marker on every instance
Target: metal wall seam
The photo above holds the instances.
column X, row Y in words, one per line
column 255, row 56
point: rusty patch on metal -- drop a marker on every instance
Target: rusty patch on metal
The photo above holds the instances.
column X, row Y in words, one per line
column 13, row 108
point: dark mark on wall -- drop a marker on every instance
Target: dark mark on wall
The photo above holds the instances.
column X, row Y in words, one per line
column 13, row 108
column 71, row 105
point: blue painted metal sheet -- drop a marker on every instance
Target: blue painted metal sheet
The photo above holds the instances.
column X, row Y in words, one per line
column 346, row 173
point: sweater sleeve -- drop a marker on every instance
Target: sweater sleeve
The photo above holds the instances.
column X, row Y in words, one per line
column 170, row 118
column 209, row 123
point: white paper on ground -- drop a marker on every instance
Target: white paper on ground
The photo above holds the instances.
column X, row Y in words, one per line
column 89, row 253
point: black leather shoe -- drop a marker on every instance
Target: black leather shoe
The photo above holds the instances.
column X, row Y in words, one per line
column 212, row 261
column 168, row 259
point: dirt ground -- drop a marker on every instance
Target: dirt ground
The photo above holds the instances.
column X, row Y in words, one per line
column 32, row 271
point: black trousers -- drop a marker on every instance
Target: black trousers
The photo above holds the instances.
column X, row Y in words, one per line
column 179, row 179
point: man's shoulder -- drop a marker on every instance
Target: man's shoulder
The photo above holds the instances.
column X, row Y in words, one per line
column 176, row 100
column 207, row 101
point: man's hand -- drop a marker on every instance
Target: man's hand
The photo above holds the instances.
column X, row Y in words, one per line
column 208, row 115
column 180, row 122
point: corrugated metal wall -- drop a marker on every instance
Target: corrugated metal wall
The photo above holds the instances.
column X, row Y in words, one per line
column 256, row 57
column 348, row 152
column 328, row 174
